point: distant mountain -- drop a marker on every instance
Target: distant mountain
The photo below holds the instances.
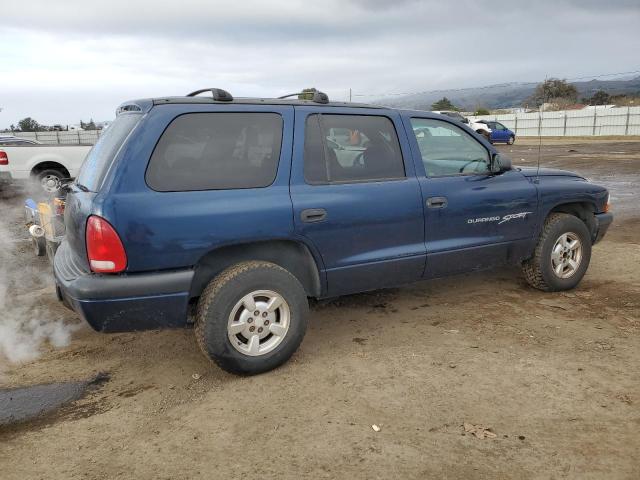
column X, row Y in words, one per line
column 504, row 95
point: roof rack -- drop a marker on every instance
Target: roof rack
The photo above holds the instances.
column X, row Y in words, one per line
column 312, row 94
column 218, row 94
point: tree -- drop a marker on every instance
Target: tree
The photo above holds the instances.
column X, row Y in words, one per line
column 482, row 111
column 600, row 98
column 443, row 104
column 553, row 90
column 28, row 125
column 629, row 100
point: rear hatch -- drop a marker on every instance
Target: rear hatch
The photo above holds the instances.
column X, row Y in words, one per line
column 83, row 192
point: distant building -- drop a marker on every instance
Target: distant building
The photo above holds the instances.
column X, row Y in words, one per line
column 575, row 106
column 598, row 107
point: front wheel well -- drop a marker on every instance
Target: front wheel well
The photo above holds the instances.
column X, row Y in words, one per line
column 41, row 167
column 583, row 210
column 290, row 255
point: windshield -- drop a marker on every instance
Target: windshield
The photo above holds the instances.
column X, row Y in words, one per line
column 99, row 159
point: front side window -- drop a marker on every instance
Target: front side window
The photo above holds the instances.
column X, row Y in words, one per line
column 351, row 148
column 217, row 151
column 448, row 150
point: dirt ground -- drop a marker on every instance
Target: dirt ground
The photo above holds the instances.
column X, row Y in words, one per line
column 555, row 377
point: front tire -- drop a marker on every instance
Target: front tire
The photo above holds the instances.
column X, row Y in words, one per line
column 252, row 317
column 562, row 255
column 511, row 140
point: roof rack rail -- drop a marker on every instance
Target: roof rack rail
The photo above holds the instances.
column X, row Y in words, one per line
column 218, row 94
column 312, row 94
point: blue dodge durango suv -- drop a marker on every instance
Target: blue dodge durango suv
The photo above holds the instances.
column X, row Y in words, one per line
column 229, row 214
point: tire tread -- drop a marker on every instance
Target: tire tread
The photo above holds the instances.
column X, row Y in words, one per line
column 531, row 267
column 211, row 291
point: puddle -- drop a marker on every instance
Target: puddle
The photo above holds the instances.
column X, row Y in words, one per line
column 26, row 403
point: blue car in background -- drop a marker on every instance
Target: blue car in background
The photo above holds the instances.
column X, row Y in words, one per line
column 500, row 133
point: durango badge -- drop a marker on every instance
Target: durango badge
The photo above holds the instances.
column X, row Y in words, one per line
column 497, row 218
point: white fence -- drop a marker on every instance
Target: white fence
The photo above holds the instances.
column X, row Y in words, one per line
column 65, row 137
column 567, row 123
column 572, row 123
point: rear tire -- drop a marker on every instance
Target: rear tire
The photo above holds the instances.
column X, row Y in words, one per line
column 565, row 240
column 224, row 315
column 50, row 180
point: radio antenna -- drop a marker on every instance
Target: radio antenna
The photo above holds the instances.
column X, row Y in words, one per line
column 540, row 110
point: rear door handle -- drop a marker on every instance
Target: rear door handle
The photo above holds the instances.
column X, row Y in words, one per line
column 312, row 215
column 437, row 202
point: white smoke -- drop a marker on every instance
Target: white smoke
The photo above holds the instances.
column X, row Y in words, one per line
column 26, row 288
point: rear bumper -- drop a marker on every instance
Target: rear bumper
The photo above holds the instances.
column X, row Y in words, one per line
column 603, row 220
column 5, row 177
column 123, row 303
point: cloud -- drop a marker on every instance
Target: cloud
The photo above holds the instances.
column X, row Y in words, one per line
column 80, row 60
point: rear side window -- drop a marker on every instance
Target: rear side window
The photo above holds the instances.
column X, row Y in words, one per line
column 101, row 156
column 351, row 148
column 217, row 151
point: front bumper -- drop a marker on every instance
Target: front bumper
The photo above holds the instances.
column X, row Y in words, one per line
column 125, row 302
column 603, row 220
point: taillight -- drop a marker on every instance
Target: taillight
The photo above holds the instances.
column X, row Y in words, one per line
column 4, row 159
column 104, row 248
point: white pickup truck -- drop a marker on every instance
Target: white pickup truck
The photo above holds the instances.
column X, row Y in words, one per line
column 480, row 128
column 46, row 164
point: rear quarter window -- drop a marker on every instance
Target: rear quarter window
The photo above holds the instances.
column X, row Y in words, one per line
column 101, row 156
column 217, row 151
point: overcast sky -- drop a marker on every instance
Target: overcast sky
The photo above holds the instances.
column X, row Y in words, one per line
column 65, row 61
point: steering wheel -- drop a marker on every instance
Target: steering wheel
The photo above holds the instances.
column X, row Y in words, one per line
column 358, row 161
column 469, row 163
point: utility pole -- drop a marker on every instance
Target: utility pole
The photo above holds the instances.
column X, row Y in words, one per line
column 349, row 95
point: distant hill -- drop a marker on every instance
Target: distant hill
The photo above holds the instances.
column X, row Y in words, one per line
column 504, row 95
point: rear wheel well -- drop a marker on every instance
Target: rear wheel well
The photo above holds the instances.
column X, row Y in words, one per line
column 583, row 210
column 41, row 167
column 292, row 256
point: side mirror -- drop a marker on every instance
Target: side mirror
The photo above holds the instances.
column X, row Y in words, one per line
column 500, row 163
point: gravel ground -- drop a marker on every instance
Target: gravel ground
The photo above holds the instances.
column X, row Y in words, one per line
column 475, row 376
